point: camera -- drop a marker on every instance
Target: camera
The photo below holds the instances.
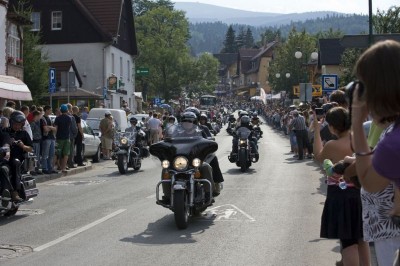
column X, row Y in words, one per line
column 350, row 90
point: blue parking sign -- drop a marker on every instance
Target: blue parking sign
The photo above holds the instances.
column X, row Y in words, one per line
column 52, row 80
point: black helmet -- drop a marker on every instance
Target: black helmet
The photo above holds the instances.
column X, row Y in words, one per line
column 189, row 117
column 193, row 110
column 133, row 119
column 255, row 114
column 17, row 117
column 244, row 120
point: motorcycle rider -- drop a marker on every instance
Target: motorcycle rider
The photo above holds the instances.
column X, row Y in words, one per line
column 190, row 128
column 204, row 122
column 21, row 143
column 5, row 183
column 135, row 128
column 244, row 122
column 217, row 174
column 255, row 121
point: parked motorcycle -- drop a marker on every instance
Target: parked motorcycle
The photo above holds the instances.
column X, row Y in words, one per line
column 28, row 188
column 129, row 152
column 245, row 155
column 182, row 156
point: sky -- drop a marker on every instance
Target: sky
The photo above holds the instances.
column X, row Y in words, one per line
column 300, row 6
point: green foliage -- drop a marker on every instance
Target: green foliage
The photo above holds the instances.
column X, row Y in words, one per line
column 162, row 36
column 140, row 7
column 230, row 43
column 36, row 66
column 387, row 21
column 348, row 60
column 286, row 62
column 213, row 34
column 249, row 39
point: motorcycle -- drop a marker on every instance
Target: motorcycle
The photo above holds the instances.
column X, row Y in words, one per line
column 215, row 128
column 257, row 132
column 182, row 157
column 231, row 128
column 28, row 188
column 127, row 153
column 245, row 155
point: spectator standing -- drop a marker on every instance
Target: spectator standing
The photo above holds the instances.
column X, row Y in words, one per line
column 154, row 125
column 6, row 115
column 106, row 129
column 27, row 126
column 63, row 125
column 79, row 137
column 73, row 133
column 48, row 142
column 85, row 113
column 37, row 139
column 298, row 125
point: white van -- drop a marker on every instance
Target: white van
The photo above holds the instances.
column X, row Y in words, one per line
column 121, row 123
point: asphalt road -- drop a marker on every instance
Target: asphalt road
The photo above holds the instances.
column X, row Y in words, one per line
column 267, row 216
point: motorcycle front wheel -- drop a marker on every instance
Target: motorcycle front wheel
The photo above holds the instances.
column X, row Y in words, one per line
column 11, row 212
column 122, row 164
column 243, row 160
column 181, row 210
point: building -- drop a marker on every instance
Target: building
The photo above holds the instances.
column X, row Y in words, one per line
column 99, row 36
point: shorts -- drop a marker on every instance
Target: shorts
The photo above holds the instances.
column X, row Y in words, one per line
column 63, row 147
column 106, row 143
column 292, row 136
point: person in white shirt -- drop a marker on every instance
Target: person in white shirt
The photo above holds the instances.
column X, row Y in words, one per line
column 154, row 126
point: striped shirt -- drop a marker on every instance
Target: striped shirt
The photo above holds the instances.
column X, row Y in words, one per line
column 298, row 123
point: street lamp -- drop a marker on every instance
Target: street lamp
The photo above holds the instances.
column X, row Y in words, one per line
column 314, row 56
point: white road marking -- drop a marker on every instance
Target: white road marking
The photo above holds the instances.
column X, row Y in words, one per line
column 151, row 196
column 78, row 231
column 227, row 212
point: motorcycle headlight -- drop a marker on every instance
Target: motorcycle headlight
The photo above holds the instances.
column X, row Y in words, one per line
column 124, row 141
column 165, row 164
column 242, row 142
column 180, row 163
column 196, row 162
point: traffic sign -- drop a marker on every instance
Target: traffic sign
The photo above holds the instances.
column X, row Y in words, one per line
column 52, row 80
column 329, row 82
column 142, row 71
column 316, row 90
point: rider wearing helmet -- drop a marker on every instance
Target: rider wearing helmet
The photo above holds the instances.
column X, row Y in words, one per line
column 243, row 122
column 255, row 121
column 132, row 128
column 204, row 122
column 21, row 143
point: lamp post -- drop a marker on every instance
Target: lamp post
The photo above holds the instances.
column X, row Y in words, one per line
column 314, row 56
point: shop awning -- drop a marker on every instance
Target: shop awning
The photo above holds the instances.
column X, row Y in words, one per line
column 14, row 89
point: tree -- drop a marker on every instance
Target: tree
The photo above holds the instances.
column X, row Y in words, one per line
column 240, row 39
column 249, row 39
column 348, row 60
column 269, row 36
column 387, row 22
column 36, row 66
column 229, row 43
column 162, row 35
column 140, row 7
column 285, row 61
column 205, row 69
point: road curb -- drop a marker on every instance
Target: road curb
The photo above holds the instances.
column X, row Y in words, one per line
column 44, row 178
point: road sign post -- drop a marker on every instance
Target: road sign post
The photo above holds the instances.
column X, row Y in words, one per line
column 142, row 71
column 329, row 83
column 52, row 84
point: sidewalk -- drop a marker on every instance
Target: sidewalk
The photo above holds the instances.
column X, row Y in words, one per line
column 73, row 171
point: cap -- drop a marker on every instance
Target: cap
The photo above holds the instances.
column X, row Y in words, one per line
column 295, row 112
column 107, row 113
column 63, row 108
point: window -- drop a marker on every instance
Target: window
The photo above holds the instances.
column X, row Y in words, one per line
column 128, row 69
column 13, row 45
column 35, row 18
column 56, row 20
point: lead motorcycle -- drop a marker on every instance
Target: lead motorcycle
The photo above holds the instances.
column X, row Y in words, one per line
column 129, row 152
column 28, row 188
column 181, row 157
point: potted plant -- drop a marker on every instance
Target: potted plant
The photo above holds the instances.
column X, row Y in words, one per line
column 19, row 61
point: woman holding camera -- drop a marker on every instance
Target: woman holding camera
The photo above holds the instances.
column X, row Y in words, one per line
column 377, row 93
column 342, row 214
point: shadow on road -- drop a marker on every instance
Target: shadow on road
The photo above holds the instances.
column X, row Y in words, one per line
column 164, row 232
column 236, row 171
column 6, row 220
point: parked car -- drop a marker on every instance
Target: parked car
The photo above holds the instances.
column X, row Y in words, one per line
column 94, row 124
column 91, row 143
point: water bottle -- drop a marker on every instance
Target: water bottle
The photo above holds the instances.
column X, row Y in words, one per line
column 342, row 185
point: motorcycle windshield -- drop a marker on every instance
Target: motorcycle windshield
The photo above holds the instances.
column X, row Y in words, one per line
column 130, row 136
column 243, row 132
column 184, row 139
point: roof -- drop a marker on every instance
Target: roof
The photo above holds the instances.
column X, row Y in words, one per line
column 330, row 51
column 65, row 66
column 226, row 59
column 362, row 41
column 265, row 49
